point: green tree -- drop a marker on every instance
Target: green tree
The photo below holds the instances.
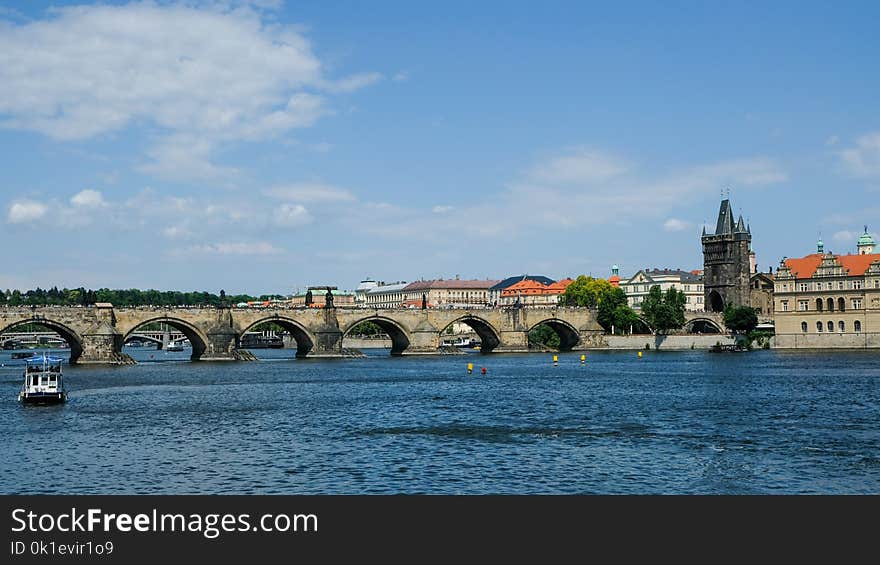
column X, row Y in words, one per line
column 740, row 319
column 664, row 312
column 585, row 291
column 614, row 311
column 544, row 335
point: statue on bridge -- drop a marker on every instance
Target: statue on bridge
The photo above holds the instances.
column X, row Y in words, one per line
column 308, row 298
column 424, row 301
column 328, row 299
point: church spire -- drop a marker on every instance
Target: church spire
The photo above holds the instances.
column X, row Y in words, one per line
column 740, row 225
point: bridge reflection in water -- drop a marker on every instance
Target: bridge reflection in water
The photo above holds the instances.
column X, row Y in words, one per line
column 97, row 334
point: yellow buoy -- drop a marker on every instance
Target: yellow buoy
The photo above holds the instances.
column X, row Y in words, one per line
column 470, row 368
column 583, row 358
column 640, row 354
column 555, row 359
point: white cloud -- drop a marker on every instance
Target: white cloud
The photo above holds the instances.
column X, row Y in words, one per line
column 442, row 209
column 88, row 198
column 235, row 248
column 202, row 74
column 401, row 76
column 863, row 160
column 291, row 215
column 832, row 140
column 26, row 211
column 310, row 192
column 674, row 224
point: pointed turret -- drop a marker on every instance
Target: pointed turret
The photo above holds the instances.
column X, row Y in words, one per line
column 725, row 218
column 704, row 230
column 740, row 225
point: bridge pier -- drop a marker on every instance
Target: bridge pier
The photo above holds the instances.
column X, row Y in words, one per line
column 220, row 346
column 423, row 340
column 101, row 345
column 328, row 337
column 516, row 341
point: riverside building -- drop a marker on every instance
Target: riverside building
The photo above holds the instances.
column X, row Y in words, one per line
column 448, row 293
column 825, row 300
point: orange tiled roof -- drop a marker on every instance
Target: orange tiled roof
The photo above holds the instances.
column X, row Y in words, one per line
column 530, row 287
column 854, row 265
column 559, row 286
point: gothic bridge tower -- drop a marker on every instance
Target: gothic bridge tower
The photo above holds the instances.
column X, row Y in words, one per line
column 726, row 267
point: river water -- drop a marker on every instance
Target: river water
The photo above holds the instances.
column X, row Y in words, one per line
column 670, row 422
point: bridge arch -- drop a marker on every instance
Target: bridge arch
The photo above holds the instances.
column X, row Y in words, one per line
column 489, row 338
column 568, row 334
column 304, row 339
column 702, row 326
column 197, row 339
column 73, row 339
column 398, row 334
column 132, row 337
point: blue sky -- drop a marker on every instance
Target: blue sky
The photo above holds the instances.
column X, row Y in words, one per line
column 265, row 146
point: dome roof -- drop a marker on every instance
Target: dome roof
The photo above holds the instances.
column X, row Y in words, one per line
column 866, row 238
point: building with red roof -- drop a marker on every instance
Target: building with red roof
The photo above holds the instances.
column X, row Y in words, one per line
column 826, row 300
column 529, row 292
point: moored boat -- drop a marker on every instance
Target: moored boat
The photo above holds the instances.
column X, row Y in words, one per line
column 43, row 382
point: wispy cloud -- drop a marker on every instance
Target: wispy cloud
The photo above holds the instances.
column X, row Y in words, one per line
column 674, row 225
column 234, row 248
column 580, row 188
column 863, row 159
column 291, row 215
column 846, row 236
column 310, row 192
column 579, row 167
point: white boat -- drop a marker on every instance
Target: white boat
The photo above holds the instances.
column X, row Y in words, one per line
column 43, row 383
column 174, row 346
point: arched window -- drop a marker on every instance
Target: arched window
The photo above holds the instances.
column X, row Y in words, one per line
column 831, row 304
column 819, row 326
column 841, row 304
column 830, row 326
column 818, row 304
column 857, row 326
column 841, row 326
column 804, row 327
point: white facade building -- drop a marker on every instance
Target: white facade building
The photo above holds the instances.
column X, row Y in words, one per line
column 639, row 285
column 386, row 295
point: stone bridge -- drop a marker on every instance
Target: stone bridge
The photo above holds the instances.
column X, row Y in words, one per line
column 97, row 334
